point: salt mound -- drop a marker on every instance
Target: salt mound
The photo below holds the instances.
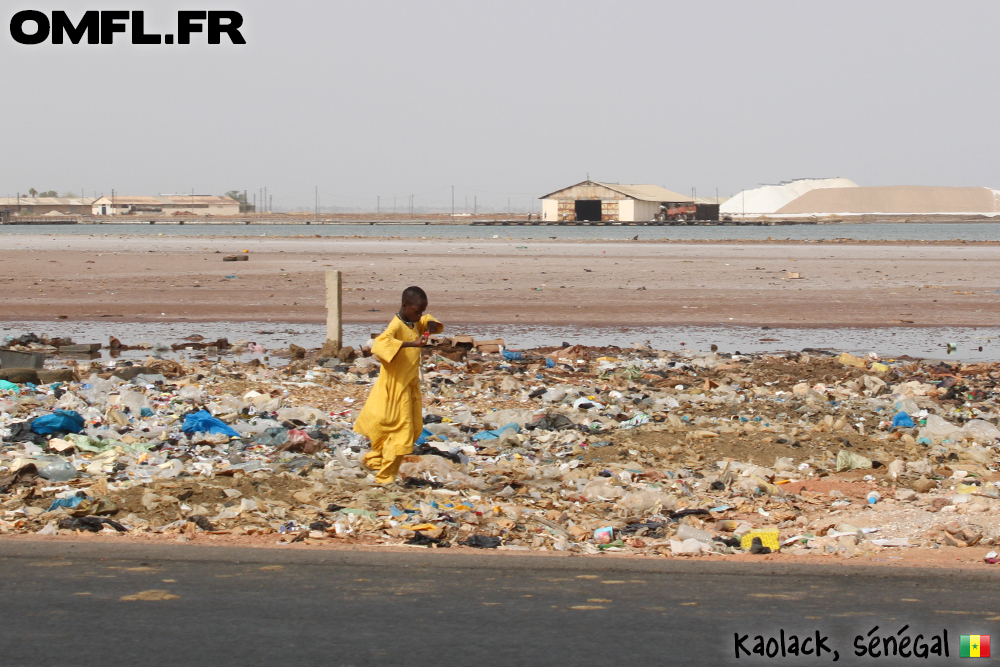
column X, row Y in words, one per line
column 896, row 199
column 770, row 198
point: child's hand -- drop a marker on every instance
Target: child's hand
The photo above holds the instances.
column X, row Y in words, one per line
column 433, row 327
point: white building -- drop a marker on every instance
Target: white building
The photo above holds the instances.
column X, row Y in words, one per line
column 166, row 205
column 46, row 205
column 609, row 202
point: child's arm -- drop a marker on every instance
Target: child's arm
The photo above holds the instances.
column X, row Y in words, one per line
column 386, row 345
column 429, row 324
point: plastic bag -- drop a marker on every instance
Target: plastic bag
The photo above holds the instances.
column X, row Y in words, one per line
column 641, row 501
column 689, row 547
column 981, row 430
column 203, row 422
column 502, row 417
column 59, row 421
column 938, row 429
column 191, row 392
column 272, row 437
column 134, row 402
column 303, row 414
column 850, row 461
column 902, row 420
column 493, row 435
column 600, row 489
column 435, row 468
column 639, row 419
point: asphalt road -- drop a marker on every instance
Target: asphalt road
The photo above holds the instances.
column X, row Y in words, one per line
column 71, row 604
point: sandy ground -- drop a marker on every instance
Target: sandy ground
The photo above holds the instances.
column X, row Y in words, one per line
column 970, row 558
column 125, row 277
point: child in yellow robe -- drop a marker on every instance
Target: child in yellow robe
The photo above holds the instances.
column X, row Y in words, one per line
column 393, row 414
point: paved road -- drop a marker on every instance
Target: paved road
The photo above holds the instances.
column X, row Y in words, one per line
column 68, row 604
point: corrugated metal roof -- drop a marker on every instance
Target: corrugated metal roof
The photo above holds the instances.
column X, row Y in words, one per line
column 641, row 192
column 647, row 192
column 120, row 200
column 45, row 201
column 172, row 200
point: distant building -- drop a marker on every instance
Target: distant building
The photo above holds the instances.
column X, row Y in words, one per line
column 611, row 202
column 46, row 205
column 166, row 205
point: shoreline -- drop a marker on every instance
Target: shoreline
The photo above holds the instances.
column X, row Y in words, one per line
column 774, row 327
column 497, row 238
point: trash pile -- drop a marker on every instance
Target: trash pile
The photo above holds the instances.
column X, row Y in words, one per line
column 570, row 448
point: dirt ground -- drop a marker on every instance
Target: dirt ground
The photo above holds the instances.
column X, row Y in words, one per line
column 605, row 283
column 945, row 557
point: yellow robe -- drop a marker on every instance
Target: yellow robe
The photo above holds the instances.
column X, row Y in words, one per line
column 393, row 414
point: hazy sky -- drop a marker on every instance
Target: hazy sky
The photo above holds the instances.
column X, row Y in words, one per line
column 514, row 98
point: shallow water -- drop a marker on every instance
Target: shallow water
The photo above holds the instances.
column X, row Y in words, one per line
column 980, row 231
column 971, row 343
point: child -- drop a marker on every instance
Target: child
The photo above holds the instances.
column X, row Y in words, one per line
column 393, row 414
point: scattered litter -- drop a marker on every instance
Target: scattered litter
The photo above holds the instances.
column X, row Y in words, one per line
column 566, row 448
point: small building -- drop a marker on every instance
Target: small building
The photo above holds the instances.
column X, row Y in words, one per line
column 166, row 205
column 46, row 205
column 611, row 202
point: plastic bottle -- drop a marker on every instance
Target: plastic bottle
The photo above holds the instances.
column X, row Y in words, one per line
column 874, row 497
column 55, row 468
column 686, row 532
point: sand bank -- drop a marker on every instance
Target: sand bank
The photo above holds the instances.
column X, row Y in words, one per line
column 501, row 281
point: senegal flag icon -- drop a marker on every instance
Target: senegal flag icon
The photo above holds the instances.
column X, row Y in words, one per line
column 975, row 646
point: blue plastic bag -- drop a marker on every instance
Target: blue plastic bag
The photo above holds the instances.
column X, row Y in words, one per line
column 549, row 363
column 203, row 422
column 423, row 437
column 902, row 420
column 68, row 503
column 9, row 386
column 493, row 435
column 513, row 356
column 60, row 421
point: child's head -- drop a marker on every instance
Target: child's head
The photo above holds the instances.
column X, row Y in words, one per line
column 414, row 303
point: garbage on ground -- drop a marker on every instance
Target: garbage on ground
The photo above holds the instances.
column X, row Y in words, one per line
column 568, row 448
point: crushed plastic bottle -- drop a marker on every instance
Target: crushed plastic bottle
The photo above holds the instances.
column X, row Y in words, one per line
column 55, row 468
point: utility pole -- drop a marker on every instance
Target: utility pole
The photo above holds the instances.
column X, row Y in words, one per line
column 270, row 206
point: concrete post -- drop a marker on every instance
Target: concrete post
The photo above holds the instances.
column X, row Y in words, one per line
column 334, row 328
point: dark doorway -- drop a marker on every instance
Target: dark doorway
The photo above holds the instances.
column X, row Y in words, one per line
column 588, row 210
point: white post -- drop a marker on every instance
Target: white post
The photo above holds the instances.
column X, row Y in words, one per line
column 334, row 329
